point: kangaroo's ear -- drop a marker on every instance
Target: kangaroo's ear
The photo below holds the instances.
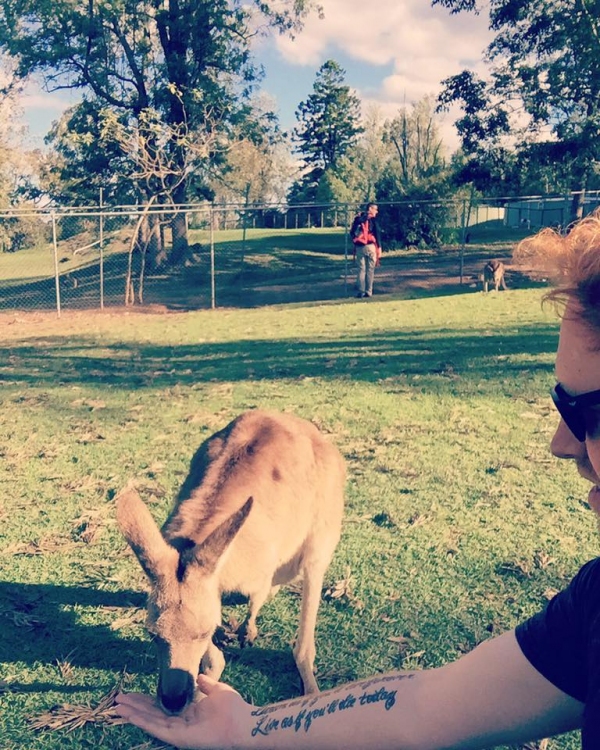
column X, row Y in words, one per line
column 209, row 552
column 156, row 557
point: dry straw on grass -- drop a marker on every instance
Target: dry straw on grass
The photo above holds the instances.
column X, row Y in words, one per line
column 45, row 545
column 70, row 717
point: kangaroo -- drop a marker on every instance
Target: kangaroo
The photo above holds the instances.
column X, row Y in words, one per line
column 262, row 504
column 493, row 273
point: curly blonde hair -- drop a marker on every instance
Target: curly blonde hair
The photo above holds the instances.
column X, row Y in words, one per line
column 573, row 262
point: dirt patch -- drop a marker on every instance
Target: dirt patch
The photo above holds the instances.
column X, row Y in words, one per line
column 399, row 277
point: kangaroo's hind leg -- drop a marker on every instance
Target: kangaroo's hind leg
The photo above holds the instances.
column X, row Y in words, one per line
column 305, row 649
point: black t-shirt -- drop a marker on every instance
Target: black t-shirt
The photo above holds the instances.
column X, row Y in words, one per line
column 563, row 643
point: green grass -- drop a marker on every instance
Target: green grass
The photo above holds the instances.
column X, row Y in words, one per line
column 458, row 521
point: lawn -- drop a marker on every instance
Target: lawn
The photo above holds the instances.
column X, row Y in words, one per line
column 458, row 521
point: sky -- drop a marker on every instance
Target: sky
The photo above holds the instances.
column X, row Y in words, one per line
column 394, row 53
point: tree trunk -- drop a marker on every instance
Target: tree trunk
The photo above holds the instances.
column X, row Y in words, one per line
column 578, row 197
column 179, row 232
column 180, row 239
column 577, row 202
column 151, row 243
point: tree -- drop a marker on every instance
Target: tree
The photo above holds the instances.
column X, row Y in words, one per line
column 18, row 170
column 12, row 133
column 370, row 156
column 187, row 61
column 257, row 166
column 83, row 159
column 415, row 137
column 355, row 176
column 328, row 125
column 414, row 178
column 545, row 79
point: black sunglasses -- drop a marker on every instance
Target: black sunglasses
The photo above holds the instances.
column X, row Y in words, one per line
column 573, row 409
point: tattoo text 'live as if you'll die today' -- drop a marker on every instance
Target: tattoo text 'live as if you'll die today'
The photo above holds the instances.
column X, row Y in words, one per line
column 308, row 713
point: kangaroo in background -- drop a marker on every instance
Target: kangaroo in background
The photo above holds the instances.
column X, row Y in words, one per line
column 262, row 503
column 493, row 273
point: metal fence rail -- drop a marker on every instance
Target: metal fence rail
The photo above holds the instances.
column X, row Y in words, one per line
column 97, row 257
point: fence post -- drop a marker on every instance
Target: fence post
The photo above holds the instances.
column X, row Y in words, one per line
column 463, row 236
column 56, row 276
column 213, row 302
column 101, row 251
column 346, row 234
column 244, row 223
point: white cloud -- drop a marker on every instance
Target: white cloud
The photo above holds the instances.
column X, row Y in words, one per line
column 48, row 102
column 423, row 45
column 34, row 97
column 389, row 30
column 42, row 108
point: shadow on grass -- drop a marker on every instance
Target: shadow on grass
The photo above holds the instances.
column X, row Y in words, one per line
column 40, row 626
column 474, row 358
column 268, row 662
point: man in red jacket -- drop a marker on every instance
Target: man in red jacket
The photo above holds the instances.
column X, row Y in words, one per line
column 367, row 249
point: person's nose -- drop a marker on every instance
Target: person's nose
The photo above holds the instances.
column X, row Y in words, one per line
column 565, row 445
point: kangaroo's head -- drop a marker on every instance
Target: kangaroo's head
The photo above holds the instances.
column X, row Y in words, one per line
column 184, row 604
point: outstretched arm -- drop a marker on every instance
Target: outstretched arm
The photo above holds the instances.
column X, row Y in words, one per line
column 488, row 697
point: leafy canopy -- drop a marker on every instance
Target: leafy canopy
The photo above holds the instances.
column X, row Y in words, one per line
column 544, row 86
column 189, row 61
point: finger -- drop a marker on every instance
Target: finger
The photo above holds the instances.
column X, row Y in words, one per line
column 132, row 713
column 207, row 685
column 147, row 715
column 135, row 700
column 166, row 728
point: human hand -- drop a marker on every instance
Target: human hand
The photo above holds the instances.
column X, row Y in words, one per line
column 210, row 722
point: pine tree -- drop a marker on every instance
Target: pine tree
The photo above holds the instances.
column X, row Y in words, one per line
column 328, row 123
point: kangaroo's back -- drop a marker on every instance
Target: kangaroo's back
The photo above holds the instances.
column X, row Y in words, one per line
column 296, row 478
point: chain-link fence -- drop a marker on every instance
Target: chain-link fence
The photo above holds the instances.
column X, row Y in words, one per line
column 204, row 255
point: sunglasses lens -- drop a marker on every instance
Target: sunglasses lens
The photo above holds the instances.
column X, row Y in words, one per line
column 576, row 424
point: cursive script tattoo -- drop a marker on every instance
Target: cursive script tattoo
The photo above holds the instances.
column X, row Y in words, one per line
column 310, row 710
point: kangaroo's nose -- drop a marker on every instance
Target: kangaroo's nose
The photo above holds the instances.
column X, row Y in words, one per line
column 174, row 703
column 175, row 690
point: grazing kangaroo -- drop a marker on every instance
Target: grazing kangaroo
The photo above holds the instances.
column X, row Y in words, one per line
column 262, row 503
column 493, row 273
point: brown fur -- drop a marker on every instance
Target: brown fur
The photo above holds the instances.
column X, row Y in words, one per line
column 493, row 273
column 262, row 504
